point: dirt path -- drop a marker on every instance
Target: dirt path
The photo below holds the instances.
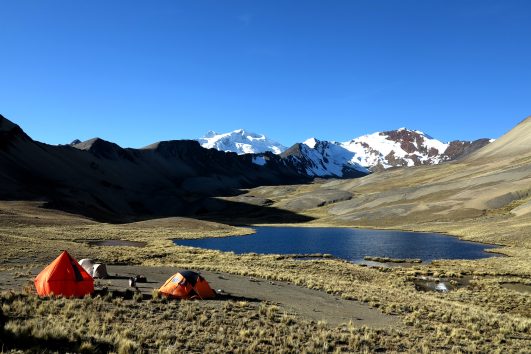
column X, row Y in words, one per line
column 311, row 304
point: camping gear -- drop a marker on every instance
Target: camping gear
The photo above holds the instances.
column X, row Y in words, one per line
column 87, row 264
column 140, row 279
column 187, row 285
column 64, row 277
column 100, row 271
column 96, row 270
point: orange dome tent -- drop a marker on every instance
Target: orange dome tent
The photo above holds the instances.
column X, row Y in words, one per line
column 187, row 285
column 64, row 277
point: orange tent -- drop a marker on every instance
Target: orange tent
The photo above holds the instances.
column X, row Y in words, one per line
column 64, row 277
column 187, row 285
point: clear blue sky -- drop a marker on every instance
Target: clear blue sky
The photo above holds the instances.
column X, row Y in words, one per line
column 135, row 72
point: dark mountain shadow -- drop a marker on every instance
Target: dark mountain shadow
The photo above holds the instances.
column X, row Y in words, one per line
column 103, row 181
column 208, row 209
column 243, row 214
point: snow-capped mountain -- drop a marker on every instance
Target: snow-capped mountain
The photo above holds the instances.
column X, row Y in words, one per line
column 395, row 148
column 323, row 159
column 381, row 150
column 241, row 142
column 405, row 147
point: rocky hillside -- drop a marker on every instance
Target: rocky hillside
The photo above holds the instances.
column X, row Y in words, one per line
column 105, row 181
column 373, row 152
column 405, row 147
column 324, row 159
column 484, row 196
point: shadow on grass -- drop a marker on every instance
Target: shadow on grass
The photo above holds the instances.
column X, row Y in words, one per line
column 206, row 208
column 129, row 294
column 243, row 214
column 229, row 297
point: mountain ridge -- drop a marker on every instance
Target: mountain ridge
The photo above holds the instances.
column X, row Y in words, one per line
column 240, row 141
column 402, row 147
column 406, row 147
column 485, row 196
column 516, row 141
column 102, row 180
column 322, row 158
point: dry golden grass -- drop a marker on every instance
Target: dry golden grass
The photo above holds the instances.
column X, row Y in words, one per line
column 483, row 316
column 103, row 324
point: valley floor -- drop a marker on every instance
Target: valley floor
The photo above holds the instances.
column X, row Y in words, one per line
column 486, row 315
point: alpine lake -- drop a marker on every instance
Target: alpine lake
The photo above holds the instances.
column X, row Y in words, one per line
column 353, row 245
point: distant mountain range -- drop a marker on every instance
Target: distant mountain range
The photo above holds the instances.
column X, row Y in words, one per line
column 484, row 196
column 100, row 179
column 373, row 152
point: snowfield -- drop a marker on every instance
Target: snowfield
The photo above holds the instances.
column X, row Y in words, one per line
column 241, row 142
column 319, row 158
column 373, row 149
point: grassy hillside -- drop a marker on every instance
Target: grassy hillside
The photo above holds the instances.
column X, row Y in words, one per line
column 484, row 197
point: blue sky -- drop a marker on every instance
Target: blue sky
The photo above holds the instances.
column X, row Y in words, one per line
column 135, row 72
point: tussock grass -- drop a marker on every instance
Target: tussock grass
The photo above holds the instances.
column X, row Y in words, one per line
column 126, row 327
column 481, row 317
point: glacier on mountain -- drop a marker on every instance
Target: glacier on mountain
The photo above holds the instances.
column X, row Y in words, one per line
column 372, row 152
column 241, row 142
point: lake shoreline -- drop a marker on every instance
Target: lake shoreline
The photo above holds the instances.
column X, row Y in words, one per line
column 347, row 245
column 473, row 315
column 312, row 224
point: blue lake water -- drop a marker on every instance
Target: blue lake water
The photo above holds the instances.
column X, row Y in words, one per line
column 345, row 243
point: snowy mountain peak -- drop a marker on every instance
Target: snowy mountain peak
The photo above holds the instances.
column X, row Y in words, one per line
column 321, row 158
column 405, row 147
column 324, row 159
column 401, row 147
column 240, row 141
column 210, row 134
column 311, row 142
column 410, row 130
